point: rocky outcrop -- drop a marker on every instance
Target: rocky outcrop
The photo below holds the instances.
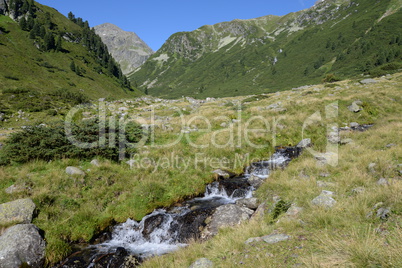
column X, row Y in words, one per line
column 15, row 212
column 126, row 47
column 22, row 246
column 3, row 7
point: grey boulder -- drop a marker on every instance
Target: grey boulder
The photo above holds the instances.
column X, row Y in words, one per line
column 22, row 245
column 18, row 211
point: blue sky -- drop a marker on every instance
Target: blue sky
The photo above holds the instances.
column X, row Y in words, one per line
column 155, row 20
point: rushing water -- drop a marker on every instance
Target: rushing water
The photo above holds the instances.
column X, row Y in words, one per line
column 166, row 230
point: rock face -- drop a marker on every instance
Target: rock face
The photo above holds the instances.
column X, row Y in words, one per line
column 18, row 211
column 126, row 47
column 3, row 7
column 22, row 245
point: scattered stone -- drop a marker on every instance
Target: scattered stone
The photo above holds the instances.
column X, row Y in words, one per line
column 346, row 141
column 275, row 238
column 380, row 211
column 13, row 189
column 324, row 184
column 383, row 182
column 383, row 213
column 202, row 263
column 325, row 175
column 251, row 203
column 304, row 143
column 354, row 107
column 354, row 125
column 390, row 145
column 294, row 211
column 18, row 211
column 74, row 171
column 253, row 240
column 371, row 167
column 95, row 163
column 222, row 174
column 255, row 181
column 368, row 81
column 324, row 199
column 224, row 124
column 22, row 245
column 358, row 190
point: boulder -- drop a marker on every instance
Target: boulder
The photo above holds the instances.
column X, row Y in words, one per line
column 18, row 211
column 202, row 263
column 368, row 81
column 22, row 245
column 95, row 163
column 225, row 216
column 324, row 199
column 354, row 107
column 354, row 125
column 74, row 171
column 275, row 238
column 222, row 174
column 251, row 203
column 260, row 211
column 383, row 182
column 304, row 143
column 255, row 181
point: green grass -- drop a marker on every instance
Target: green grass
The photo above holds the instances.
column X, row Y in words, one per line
column 74, row 209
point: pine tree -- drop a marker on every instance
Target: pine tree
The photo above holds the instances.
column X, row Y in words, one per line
column 72, row 66
column 30, row 22
column 48, row 41
column 42, row 31
column 23, row 24
column 59, row 43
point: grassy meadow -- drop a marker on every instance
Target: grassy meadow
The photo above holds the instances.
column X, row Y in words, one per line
column 191, row 139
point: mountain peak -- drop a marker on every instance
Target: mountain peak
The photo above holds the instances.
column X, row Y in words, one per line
column 127, row 48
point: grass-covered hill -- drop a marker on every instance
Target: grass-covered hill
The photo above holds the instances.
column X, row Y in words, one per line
column 271, row 53
column 48, row 61
column 210, row 134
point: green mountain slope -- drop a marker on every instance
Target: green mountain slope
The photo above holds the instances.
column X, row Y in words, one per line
column 274, row 53
column 48, row 60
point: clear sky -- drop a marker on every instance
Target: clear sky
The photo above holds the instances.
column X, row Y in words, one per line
column 155, row 20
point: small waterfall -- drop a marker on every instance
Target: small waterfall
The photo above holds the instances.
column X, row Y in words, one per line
column 142, row 240
column 164, row 231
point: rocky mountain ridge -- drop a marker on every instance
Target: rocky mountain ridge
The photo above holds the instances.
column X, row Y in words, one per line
column 126, row 47
column 273, row 53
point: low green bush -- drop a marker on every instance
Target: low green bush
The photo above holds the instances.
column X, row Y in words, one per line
column 51, row 142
